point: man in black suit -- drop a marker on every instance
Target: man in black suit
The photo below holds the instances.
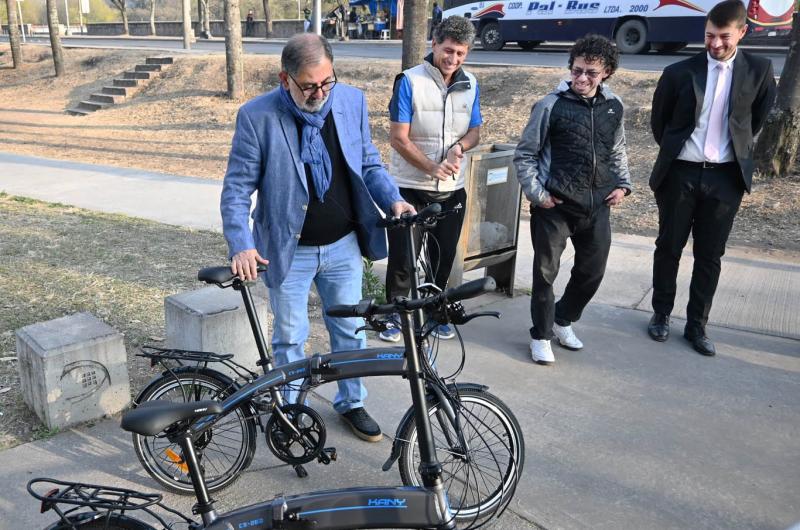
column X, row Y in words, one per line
column 706, row 110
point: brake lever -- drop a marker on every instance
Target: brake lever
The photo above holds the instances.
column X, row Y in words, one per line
column 495, row 314
column 374, row 325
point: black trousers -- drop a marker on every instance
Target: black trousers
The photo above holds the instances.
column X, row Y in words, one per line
column 702, row 202
column 446, row 232
column 591, row 238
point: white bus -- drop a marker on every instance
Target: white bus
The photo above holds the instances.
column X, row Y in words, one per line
column 636, row 26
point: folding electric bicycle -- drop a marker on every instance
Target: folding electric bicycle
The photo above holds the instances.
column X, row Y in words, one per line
column 478, row 439
column 426, row 505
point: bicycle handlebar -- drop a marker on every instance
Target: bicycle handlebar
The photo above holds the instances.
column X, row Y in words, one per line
column 368, row 308
column 423, row 216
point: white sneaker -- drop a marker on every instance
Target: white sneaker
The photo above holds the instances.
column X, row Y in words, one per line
column 541, row 352
column 566, row 337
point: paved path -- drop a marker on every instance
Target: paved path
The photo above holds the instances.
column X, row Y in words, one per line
column 627, row 433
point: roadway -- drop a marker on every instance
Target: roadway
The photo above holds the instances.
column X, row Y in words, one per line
column 554, row 54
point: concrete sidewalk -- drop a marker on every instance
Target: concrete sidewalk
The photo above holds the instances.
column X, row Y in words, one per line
column 627, row 433
column 758, row 291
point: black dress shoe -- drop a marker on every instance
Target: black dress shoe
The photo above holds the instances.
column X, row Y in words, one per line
column 658, row 328
column 700, row 342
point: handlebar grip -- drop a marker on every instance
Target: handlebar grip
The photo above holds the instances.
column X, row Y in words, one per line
column 343, row 311
column 429, row 211
column 470, row 289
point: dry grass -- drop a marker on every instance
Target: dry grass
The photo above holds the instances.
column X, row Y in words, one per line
column 182, row 124
column 58, row 260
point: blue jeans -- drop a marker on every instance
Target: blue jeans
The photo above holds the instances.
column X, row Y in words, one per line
column 336, row 270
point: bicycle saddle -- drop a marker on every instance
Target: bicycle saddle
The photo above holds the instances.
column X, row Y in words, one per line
column 152, row 417
column 220, row 275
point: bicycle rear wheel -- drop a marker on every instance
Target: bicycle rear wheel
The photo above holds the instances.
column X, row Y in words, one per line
column 479, row 479
column 224, row 450
column 100, row 521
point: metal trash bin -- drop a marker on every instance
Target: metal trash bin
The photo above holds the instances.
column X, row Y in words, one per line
column 491, row 222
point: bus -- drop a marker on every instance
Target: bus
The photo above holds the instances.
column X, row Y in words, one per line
column 635, row 25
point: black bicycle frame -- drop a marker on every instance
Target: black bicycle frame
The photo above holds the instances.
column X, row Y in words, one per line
column 315, row 370
column 405, row 507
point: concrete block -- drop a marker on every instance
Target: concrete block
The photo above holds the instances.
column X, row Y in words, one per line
column 213, row 319
column 72, row 369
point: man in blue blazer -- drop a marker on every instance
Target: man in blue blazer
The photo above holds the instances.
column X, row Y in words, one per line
column 305, row 149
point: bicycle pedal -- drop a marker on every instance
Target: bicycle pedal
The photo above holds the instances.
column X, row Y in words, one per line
column 327, row 455
column 301, row 471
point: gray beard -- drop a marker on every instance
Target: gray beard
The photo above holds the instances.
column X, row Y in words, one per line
column 313, row 107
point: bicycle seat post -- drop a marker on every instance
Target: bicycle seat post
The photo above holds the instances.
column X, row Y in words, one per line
column 205, row 504
column 255, row 325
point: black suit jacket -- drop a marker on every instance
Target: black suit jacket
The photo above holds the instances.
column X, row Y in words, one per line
column 678, row 100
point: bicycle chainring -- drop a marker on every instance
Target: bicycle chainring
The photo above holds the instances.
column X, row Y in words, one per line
column 298, row 447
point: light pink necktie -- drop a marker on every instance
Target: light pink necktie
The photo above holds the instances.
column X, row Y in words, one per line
column 714, row 132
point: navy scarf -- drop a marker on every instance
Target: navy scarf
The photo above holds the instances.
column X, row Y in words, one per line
column 312, row 148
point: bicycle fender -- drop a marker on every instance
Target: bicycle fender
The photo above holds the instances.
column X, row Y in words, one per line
column 408, row 417
column 184, row 369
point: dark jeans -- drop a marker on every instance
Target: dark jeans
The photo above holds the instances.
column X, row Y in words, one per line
column 703, row 202
column 441, row 253
column 591, row 238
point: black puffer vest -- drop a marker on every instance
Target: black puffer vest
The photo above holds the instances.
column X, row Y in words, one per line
column 581, row 142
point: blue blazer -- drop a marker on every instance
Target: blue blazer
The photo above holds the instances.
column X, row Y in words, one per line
column 265, row 157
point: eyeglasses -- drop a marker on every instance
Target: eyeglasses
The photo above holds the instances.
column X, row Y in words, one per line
column 591, row 74
column 311, row 88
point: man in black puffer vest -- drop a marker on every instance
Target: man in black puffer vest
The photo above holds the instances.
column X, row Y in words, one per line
column 572, row 166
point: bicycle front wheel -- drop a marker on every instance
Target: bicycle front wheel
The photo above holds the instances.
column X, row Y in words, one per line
column 482, row 476
column 223, row 451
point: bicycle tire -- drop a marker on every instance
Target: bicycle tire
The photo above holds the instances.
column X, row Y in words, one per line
column 99, row 521
column 489, row 427
column 223, row 461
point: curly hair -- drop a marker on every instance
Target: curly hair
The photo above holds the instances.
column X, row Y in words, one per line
column 595, row 48
column 455, row 28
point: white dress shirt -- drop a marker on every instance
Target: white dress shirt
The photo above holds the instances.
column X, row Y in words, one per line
column 693, row 148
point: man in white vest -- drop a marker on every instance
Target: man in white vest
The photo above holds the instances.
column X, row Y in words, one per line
column 435, row 118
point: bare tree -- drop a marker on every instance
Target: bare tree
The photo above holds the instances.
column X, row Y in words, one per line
column 55, row 39
column 152, row 17
column 778, row 145
column 233, row 49
column 187, row 24
column 267, row 19
column 415, row 23
column 123, row 9
column 13, row 33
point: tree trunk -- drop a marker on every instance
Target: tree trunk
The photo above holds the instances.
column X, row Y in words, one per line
column 779, row 142
column 13, row 33
column 55, row 39
column 267, row 19
column 233, row 50
column 206, row 19
column 153, row 17
column 187, row 24
column 125, row 29
column 415, row 18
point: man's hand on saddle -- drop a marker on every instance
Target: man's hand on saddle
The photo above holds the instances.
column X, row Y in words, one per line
column 245, row 264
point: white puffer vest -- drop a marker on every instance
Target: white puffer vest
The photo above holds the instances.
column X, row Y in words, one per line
column 441, row 117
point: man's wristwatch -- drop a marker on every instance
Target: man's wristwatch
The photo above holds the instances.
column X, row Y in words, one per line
column 458, row 143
